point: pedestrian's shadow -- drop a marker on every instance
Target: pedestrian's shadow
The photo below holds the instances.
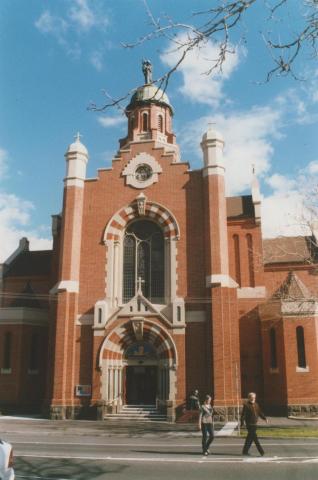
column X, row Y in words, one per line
column 183, row 452
column 170, row 452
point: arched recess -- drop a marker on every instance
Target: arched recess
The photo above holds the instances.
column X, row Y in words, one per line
column 113, row 239
column 112, row 360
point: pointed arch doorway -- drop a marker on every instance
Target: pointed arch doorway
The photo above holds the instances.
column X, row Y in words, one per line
column 138, row 360
column 140, row 374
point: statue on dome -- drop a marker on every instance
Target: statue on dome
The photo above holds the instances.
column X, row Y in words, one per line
column 147, row 71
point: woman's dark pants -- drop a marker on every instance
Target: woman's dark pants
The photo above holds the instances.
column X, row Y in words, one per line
column 207, row 435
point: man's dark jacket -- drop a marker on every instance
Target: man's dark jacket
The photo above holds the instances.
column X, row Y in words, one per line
column 250, row 414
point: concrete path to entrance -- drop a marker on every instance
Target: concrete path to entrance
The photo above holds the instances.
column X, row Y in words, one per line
column 227, row 430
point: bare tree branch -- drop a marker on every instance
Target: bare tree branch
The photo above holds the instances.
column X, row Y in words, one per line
column 217, row 24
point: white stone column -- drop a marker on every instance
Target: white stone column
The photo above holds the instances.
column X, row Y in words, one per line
column 116, row 273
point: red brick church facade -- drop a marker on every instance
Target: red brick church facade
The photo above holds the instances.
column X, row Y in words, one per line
column 157, row 284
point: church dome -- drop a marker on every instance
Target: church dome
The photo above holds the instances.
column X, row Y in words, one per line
column 77, row 147
column 149, row 94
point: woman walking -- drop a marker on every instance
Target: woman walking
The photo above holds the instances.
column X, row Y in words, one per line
column 206, row 424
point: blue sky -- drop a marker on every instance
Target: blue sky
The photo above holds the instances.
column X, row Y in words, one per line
column 57, row 56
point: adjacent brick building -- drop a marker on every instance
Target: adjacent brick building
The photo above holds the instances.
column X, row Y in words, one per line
column 157, row 284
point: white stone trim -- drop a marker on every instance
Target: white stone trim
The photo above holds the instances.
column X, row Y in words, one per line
column 73, row 182
column 213, row 170
column 71, row 286
column 6, row 371
column 23, row 316
column 251, row 292
column 139, row 159
column 195, row 316
column 119, row 220
column 302, row 369
column 299, row 307
column 219, row 279
column 99, row 333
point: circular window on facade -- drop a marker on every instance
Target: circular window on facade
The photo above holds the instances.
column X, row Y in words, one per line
column 143, row 172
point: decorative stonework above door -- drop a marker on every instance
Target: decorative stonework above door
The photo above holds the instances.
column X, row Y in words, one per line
column 142, row 171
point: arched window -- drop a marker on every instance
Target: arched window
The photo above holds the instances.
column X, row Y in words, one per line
column 7, row 349
column 160, row 123
column 237, row 262
column 145, row 125
column 273, row 350
column 143, row 261
column 250, row 253
column 132, row 122
column 301, row 347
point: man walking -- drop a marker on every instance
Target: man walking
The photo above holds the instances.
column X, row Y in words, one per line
column 250, row 414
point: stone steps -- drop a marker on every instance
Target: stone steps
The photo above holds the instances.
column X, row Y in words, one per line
column 137, row 413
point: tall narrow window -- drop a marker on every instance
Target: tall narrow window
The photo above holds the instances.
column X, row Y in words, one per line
column 7, row 350
column 301, row 347
column 160, row 123
column 250, row 253
column 34, row 352
column 273, row 349
column 145, row 126
column 143, row 261
column 132, row 123
column 237, row 262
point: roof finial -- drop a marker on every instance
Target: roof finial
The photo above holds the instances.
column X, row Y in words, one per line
column 253, row 168
column 147, row 71
column 78, row 137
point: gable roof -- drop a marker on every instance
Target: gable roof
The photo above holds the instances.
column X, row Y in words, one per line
column 292, row 289
column 290, row 250
column 30, row 263
column 240, row 207
column 27, row 298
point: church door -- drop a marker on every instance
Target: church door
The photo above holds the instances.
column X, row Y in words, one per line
column 141, row 385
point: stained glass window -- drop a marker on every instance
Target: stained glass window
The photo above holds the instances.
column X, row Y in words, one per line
column 144, row 259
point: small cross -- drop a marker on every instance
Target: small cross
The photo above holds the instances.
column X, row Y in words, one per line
column 253, row 168
column 78, row 137
column 139, row 282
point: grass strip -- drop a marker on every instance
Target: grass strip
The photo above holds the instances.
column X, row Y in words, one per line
column 288, row 432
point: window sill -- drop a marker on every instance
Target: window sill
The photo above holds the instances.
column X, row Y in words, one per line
column 273, row 370
column 6, row 371
column 302, row 369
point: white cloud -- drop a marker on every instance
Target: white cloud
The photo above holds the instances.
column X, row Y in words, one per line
column 111, row 121
column 282, row 214
column 68, row 30
column 84, row 17
column 48, row 23
column 15, row 217
column 197, row 85
column 281, row 183
column 313, row 167
column 96, row 60
column 248, row 141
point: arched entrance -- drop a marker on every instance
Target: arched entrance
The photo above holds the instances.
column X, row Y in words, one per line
column 140, row 374
column 138, row 360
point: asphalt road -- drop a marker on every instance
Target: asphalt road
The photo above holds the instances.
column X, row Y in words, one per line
column 83, row 450
column 61, row 457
